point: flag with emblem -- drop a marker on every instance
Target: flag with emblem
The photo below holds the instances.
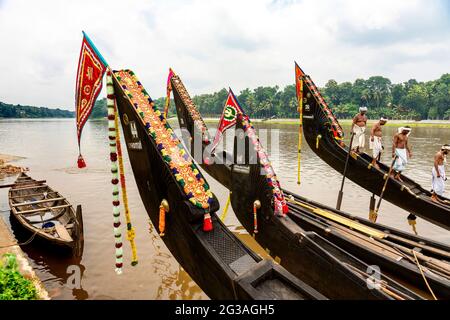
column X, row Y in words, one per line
column 91, row 68
column 228, row 119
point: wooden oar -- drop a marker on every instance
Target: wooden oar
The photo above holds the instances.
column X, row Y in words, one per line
column 374, row 217
column 372, row 198
column 24, row 183
column 341, row 192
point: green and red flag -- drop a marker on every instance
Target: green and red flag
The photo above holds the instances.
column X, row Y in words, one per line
column 91, row 68
column 229, row 117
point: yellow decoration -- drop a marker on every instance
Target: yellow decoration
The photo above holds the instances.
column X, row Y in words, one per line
column 130, row 233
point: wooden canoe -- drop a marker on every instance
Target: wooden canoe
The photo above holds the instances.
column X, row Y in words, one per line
column 46, row 214
column 336, row 226
column 324, row 136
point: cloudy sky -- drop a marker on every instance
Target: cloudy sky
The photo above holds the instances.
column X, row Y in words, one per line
column 216, row 44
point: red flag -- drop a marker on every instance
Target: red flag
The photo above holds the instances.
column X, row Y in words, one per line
column 228, row 119
column 169, row 90
column 299, row 81
column 91, row 68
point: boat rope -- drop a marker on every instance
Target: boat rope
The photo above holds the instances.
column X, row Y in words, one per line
column 163, row 209
column 319, row 136
column 421, row 272
column 23, row 243
column 225, row 209
column 110, row 101
column 131, row 233
column 256, row 206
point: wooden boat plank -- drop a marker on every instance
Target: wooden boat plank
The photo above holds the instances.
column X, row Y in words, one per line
column 43, row 209
column 37, row 201
column 62, row 232
column 33, row 195
column 344, row 221
column 29, row 182
column 29, row 187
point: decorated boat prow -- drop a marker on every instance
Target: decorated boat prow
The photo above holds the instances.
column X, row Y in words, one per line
column 180, row 204
column 324, row 135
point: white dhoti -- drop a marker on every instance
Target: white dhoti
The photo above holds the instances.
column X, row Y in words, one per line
column 359, row 140
column 376, row 146
column 402, row 160
column 438, row 184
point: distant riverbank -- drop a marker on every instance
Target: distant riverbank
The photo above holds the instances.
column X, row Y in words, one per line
column 8, row 158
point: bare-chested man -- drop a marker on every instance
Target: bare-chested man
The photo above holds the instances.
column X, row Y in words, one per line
column 401, row 150
column 376, row 145
column 358, row 129
column 438, row 177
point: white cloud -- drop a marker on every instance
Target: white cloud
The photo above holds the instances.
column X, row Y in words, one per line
column 216, row 44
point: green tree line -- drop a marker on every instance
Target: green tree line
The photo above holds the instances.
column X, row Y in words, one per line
column 19, row 111
column 407, row 100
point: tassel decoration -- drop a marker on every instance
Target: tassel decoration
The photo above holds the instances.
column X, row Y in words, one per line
column 81, row 164
column 207, row 222
column 256, row 206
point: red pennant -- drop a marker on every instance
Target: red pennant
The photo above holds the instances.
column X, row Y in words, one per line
column 91, row 69
column 298, row 83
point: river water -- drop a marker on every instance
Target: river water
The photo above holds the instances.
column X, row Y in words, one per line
column 49, row 149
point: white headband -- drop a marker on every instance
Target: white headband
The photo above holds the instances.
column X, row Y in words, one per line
column 362, row 109
column 383, row 119
column 446, row 147
column 401, row 129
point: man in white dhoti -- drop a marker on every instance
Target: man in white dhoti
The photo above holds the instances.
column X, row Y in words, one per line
column 438, row 177
column 358, row 129
column 375, row 143
column 401, row 150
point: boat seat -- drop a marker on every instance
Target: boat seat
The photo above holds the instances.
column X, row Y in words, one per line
column 37, row 201
column 27, row 212
column 29, row 187
column 62, row 232
column 33, row 195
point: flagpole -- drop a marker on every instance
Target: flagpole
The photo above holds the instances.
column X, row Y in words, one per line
column 300, row 127
column 300, row 130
